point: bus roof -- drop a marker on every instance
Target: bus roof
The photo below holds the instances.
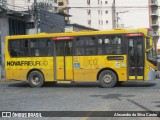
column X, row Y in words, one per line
column 113, row 31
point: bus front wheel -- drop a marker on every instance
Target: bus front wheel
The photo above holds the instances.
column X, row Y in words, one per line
column 35, row 79
column 107, row 79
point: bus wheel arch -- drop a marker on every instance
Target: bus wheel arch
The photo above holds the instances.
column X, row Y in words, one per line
column 35, row 77
column 110, row 73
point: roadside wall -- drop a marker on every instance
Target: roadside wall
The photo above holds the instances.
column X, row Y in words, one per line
column 4, row 30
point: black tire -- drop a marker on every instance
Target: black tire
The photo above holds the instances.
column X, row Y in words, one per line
column 35, row 79
column 107, row 79
column 119, row 83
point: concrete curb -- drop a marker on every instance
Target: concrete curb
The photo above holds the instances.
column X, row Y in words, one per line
column 6, row 80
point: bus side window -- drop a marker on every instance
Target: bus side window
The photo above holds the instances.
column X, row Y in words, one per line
column 13, row 53
column 109, row 44
column 79, row 51
column 79, row 46
column 107, row 41
column 18, row 48
column 37, row 52
column 49, row 52
column 40, row 47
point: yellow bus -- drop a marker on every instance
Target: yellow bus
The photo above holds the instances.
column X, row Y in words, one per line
column 108, row 57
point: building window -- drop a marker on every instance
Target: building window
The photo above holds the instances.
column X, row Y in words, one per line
column 99, row 12
column 107, row 21
column 99, row 22
column 98, row 1
column 89, row 22
column 88, row 2
column 106, row 11
column 106, row 2
column 153, row 1
column 60, row 3
column 89, row 12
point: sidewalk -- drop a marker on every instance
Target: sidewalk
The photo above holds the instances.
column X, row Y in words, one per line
column 6, row 80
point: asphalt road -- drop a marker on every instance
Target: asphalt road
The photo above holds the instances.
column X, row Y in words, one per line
column 130, row 96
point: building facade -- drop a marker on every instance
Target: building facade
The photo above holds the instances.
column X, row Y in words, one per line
column 63, row 9
column 98, row 14
column 154, row 18
column 138, row 14
column 109, row 14
column 11, row 23
column 132, row 14
column 25, row 5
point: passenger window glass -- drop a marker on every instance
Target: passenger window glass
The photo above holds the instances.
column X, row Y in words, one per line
column 40, row 47
column 111, row 44
column 18, row 48
column 98, row 45
column 106, row 41
column 79, row 42
column 99, row 41
column 91, row 51
column 79, row 51
column 86, row 45
column 30, row 47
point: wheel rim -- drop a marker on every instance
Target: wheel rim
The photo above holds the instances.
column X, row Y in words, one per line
column 35, row 80
column 107, row 78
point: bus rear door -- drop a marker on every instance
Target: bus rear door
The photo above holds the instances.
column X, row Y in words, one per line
column 135, row 56
column 63, row 59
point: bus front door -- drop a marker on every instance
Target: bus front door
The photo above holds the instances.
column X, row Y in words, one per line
column 136, row 58
column 63, row 59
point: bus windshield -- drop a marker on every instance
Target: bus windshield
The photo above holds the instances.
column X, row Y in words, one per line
column 151, row 55
column 150, row 47
column 151, row 51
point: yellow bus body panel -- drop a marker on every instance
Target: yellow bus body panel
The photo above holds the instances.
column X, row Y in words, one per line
column 17, row 72
column 90, row 66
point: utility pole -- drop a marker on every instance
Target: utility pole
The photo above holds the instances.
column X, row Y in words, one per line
column 118, row 17
column 36, row 15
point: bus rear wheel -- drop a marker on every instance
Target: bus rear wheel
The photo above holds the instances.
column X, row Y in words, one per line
column 107, row 79
column 35, row 79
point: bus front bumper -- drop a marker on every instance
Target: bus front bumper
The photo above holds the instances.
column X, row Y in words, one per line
column 152, row 74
